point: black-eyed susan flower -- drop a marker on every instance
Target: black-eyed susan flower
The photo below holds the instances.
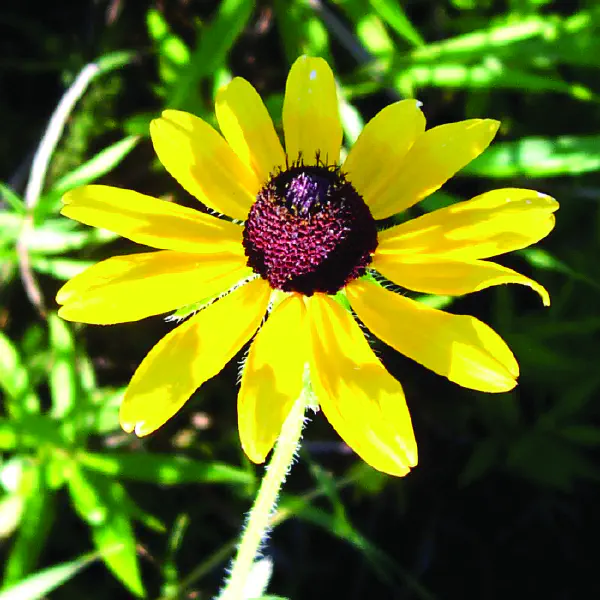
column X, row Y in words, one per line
column 302, row 232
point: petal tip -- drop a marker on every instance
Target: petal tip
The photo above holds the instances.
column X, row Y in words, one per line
column 127, row 427
column 62, row 296
column 64, row 313
column 139, row 428
column 258, row 458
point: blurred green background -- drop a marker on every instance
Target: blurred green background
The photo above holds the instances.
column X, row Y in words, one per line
column 504, row 500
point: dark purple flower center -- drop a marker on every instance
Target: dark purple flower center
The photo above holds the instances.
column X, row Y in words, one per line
column 309, row 231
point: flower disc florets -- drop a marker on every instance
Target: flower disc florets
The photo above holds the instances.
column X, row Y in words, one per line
column 309, row 231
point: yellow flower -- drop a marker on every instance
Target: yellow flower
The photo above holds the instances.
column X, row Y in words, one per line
column 304, row 229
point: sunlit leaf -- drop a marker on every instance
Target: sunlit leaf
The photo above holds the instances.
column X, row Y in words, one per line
column 34, row 526
column 20, row 398
column 12, row 199
column 43, row 582
column 392, row 13
column 539, row 157
column 302, row 31
column 164, row 469
column 63, row 376
column 103, row 162
column 60, row 268
column 214, row 42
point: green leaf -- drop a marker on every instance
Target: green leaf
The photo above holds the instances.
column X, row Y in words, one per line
column 60, row 268
column 392, row 13
column 163, row 469
column 11, row 511
column 58, row 236
column 172, row 52
column 12, row 199
column 20, row 398
column 103, row 416
column 63, row 376
column 369, row 28
column 10, row 227
column 36, row 520
column 114, row 61
column 43, row 582
column 30, row 431
column 87, row 500
column 539, row 157
column 8, row 434
column 115, row 540
column 213, row 45
column 104, row 162
column 302, row 31
column 497, row 40
column 104, row 505
column 488, row 74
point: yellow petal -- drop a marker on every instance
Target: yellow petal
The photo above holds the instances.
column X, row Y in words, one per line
column 361, row 400
column 135, row 286
column 272, row 377
column 435, row 157
column 203, row 163
column 190, row 355
column 458, row 347
column 150, row 221
column 490, row 224
column 376, row 157
column 311, row 120
column 433, row 275
column 248, row 128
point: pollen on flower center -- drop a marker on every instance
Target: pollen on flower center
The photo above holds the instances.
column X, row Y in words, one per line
column 309, row 231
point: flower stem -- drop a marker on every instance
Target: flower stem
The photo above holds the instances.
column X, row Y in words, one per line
column 259, row 520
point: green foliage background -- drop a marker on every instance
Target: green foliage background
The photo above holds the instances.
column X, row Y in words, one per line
column 503, row 502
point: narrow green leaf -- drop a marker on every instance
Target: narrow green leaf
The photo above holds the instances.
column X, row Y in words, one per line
column 539, row 157
column 20, row 398
column 105, row 506
column 36, row 520
column 214, row 43
column 43, row 582
column 172, row 52
column 12, row 199
column 30, row 431
column 11, row 511
column 114, row 537
column 302, row 31
column 103, row 415
column 58, row 236
column 489, row 74
column 87, row 500
column 10, row 227
column 60, row 268
column 492, row 39
column 63, row 376
column 115, row 60
column 369, row 28
column 163, row 469
column 392, row 13
column 103, row 162
column 8, row 434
